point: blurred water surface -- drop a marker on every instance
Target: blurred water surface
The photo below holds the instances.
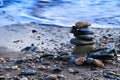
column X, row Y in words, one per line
column 101, row 13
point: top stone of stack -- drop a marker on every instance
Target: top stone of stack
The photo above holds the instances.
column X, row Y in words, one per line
column 82, row 24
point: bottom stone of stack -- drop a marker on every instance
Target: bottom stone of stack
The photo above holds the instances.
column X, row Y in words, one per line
column 82, row 51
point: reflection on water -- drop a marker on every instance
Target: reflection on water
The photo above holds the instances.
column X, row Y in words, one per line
column 67, row 12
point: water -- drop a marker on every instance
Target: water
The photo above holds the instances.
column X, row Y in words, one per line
column 101, row 13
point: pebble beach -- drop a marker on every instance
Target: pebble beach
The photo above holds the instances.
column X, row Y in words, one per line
column 52, row 40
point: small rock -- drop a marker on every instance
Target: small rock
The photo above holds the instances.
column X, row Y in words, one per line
column 24, row 78
column 34, row 31
column 16, row 78
column 80, row 61
column 29, row 72
column 73, row 71
column 89, row 60
column 61, row 76
column 45, row 63
column 98, row 63
column 70, row 70
column 57, row 70
column 42, row 67
column 17, row 61
column 14, row 67
column 51, row 77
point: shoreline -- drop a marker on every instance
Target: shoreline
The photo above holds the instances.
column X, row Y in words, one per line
column 21, row 35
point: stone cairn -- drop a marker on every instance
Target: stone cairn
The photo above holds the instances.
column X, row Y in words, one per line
column 84, row 39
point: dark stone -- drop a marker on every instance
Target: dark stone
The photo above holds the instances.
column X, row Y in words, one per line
column 84, row 29
column 57, row 70
column 89, row 60
column 28, row 72
column 77, row 33
column 105, row 54
column 76, row 41
column 86, row 37
column 34, row 31
column 19, row 61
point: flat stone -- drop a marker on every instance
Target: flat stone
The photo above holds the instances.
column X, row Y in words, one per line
column 83, row 29
column 76, row 41
column 82, row 24
column 76, row 33
column 86, row 37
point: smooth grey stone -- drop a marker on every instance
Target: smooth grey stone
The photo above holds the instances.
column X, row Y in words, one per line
column 76, row 41
column 84, row 29
column 86, row 37
column 78, row 31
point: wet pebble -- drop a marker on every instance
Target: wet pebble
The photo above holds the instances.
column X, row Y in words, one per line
column 89, row 60
column 51, row 77
column 42, row 67
column 61, row 76
column 34, row 31
column 24, row 78
column 45, row 63
column 57, row 70
column 15, row 67
column 29, row 72
column 80, row 61
column 16, row 78
column 19, row 61
column 73, row 71
column 98, row 63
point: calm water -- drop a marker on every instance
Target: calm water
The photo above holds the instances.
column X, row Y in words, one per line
column 101, row 13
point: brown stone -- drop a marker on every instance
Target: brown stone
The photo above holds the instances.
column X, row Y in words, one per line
column 98, row 63
column 82, row 24
column 42, row 67
column 80, row 61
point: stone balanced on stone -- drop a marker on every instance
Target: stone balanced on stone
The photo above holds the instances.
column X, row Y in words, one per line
column 84, row 39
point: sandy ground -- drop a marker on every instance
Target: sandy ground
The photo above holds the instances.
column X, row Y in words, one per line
column 50, row 39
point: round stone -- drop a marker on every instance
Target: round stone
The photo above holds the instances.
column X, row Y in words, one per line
column 81, row 51
column 80, row 42
column 82, row 24
column 80, row 61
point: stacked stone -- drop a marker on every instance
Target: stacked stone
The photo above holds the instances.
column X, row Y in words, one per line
column 84, row 39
